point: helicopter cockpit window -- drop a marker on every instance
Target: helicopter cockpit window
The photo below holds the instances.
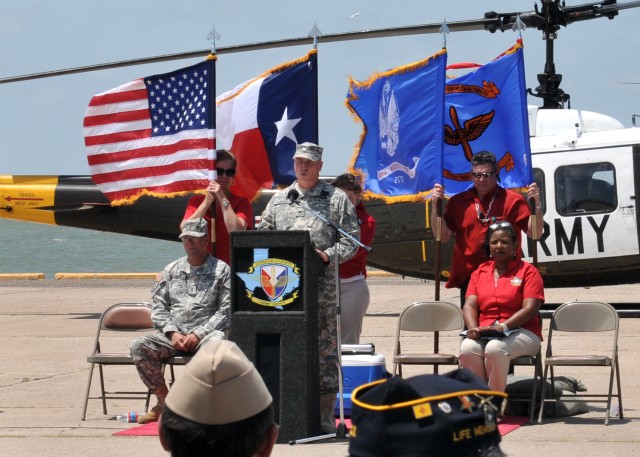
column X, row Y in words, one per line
column 586, row 188
column 538, row 177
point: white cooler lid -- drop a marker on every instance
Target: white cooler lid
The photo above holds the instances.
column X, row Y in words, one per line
column 351, row 360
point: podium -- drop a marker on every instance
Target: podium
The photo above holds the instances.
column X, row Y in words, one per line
column 274, row 320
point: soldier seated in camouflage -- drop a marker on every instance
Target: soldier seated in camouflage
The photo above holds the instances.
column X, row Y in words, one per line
column 191, row 305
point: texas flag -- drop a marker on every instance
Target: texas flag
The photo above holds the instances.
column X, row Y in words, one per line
column 262, row 120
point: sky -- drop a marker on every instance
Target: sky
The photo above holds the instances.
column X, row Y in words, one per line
column 41, row 127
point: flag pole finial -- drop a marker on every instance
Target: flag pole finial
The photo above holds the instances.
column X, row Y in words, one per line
column 213, row 36
column 444, row 30
column 315, row 33
column 519, row 26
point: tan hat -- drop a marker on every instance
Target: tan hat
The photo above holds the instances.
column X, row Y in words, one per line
column 309, row 151
column 219, row 386
column 194, row 227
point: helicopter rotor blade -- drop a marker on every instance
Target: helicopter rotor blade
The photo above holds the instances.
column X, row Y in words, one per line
column 460, row 26
column 553, row 16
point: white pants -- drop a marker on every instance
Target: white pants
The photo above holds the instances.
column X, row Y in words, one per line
column 354, row 301
column 490, row 359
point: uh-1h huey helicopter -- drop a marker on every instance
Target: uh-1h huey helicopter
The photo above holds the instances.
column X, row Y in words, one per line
column 586, row 164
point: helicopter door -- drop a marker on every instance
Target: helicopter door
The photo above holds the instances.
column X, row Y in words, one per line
column 588, row 205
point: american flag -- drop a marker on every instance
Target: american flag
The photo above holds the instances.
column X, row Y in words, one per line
column 153, row 136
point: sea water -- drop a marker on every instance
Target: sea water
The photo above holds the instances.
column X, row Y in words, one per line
column 28, row 247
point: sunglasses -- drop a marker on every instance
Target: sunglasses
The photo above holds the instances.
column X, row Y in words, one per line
column 230, row 172
column 497, row 225
column 352, row 180
column 484, row 174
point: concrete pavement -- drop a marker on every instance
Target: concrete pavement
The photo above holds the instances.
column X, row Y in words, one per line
column 48, row 329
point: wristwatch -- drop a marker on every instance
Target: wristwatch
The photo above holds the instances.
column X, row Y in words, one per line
column 225, row 203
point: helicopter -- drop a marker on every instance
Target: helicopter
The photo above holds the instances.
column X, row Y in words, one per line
column 586, row 164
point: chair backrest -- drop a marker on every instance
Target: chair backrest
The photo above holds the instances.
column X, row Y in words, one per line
column 579, row 316
column 124, row 317
column 127, row 317
column 430, row 317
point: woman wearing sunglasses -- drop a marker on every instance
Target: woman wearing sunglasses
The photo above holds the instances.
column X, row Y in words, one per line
column 232, row 212
column 501, row 310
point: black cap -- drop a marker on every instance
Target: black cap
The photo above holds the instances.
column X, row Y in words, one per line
column 428, row 415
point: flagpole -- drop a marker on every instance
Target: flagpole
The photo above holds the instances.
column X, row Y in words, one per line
column 213, row 36
column 534, row 231
column 437, row 230
column 315, row 33
column 444, row 31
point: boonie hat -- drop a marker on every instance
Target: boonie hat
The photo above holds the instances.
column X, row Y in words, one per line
column 194, row 227
column 309, row 151
column 219, row 386
column 428, row 415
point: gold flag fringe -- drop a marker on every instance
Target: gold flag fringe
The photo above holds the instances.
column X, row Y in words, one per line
column 144, row 192
column 277, row 69
column 368, row 195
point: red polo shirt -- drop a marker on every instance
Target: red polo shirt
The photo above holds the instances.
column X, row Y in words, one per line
column 243, row 210
column 357, row 265
column 499, row 302
column 461, row 217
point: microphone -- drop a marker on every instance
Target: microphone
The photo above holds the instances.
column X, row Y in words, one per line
column 292, row 196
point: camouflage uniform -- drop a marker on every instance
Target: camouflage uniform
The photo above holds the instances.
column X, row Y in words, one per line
column 188, row 300
column 332, row 203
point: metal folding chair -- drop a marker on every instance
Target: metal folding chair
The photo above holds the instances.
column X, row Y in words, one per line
column 427, row 317
column 121, row 317
column 574, row 317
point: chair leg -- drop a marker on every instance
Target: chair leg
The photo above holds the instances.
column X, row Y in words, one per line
column 621, row 414
column 147, row 401
column 543, row 389
column 86, row 396
column 536, row 375
column 103, row 394
column 613, row 369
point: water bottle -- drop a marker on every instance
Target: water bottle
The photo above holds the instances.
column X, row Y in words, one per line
column 129, row 417
column 614, row 411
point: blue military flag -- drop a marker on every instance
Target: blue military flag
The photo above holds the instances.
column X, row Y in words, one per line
column 400, row 150
column 486, row 110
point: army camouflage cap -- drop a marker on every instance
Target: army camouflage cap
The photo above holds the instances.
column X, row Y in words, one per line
column 449, row 415
column 219, row 386
column 309, row 151
column 194, row 227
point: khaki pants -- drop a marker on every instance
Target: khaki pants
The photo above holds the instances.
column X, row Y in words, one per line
column 354, row 301
column 490, row 359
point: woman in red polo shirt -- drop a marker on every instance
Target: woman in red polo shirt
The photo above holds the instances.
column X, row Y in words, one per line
column 503, row 298
column 233, row 213
column 354, row 292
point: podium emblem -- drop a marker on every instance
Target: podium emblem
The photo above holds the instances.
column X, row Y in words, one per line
column 274, row 279
column 272, row 282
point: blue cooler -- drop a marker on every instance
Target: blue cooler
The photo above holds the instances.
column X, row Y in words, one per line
column 358, row 369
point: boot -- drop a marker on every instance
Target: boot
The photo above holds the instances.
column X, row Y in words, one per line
column 328, row 413
column 154, row 414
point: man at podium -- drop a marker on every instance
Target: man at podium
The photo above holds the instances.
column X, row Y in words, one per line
column 291, row 209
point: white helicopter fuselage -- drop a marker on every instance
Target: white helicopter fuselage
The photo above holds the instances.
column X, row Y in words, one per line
column 586, row 165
